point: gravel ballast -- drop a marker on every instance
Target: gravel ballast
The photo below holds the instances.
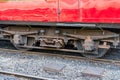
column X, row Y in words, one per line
column 33, row 64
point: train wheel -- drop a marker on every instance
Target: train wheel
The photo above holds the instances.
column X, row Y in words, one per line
column 19, row 47
column 92, row 54
column 100, row 53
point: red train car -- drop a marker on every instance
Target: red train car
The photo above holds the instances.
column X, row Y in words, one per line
column 100, row 11
column 73, row 25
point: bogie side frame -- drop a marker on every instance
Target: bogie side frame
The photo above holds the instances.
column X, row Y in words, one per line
column 91, row 40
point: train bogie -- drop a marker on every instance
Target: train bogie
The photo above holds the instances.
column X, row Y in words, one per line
column 89, row 42
column 67, row 25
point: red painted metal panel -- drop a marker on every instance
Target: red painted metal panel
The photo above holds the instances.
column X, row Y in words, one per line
column 28, row 10
column 102, row 11
column 69, row 11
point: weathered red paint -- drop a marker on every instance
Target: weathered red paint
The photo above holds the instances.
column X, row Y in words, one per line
column 69, row 11
column 100, row 11
column 32, row 10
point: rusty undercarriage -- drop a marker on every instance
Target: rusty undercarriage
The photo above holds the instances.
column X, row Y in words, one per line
column 91, row 43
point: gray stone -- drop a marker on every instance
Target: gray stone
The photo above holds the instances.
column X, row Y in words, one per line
column 10, row 79
column 94, row 72
column 1, row 78
column 52, row 67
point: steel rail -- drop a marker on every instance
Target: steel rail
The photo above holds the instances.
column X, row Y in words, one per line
column 25, row 75
column 96, row 60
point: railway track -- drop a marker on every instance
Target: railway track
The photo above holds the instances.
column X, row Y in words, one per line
column 30, row 77
column 35, row 65
column 66, row 56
